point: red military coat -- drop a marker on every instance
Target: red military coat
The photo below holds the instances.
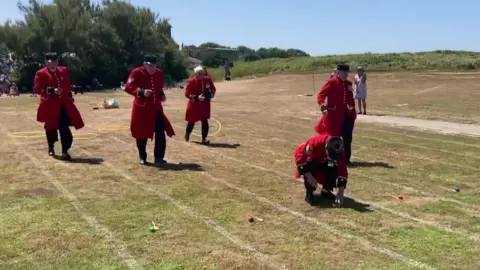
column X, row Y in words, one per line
column 198, row 110
column 50, row 105
column 350, row 103
column 319, row 154
column 144, row 109
column 334, row 95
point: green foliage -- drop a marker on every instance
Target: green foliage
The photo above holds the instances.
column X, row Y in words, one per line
column 215, row 61
column 249, row 54
column 107, row 39
column 436, row 60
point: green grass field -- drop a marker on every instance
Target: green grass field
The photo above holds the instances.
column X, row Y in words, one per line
column 95, row 212
column 437, row 60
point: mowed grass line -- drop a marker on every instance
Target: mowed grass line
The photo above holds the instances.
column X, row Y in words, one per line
column 41, row 227
column 246, row 175
column 383, row 260
column 323, row 225
column 398, row 256
column 264, row 259
column 244, row 261
column 287, row 156
column 427, row 169
column 382, row 250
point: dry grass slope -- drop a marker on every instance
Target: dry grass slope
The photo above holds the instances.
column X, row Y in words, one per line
column 436, row 60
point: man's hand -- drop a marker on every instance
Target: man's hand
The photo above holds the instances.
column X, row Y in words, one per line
column 308, row 177
column 324, row 108
column 147, row 92
column 58, row 91
column 163, row 97
column 201, row 97
column 340, row 196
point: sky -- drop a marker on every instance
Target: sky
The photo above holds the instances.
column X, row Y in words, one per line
column 319, row 27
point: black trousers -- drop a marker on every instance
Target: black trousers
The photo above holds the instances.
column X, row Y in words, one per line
column 330, row 178
column 205, row 128
column 66, row 137
column 347, row 136
column 160, row 141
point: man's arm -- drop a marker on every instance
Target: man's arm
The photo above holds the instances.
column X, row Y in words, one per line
column 38, row 86
column 323, row 94
column 189, row 91
column 132, row 85
column 163, row 97
column 212, row 88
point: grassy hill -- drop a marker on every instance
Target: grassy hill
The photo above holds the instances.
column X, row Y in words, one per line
column 436, row 60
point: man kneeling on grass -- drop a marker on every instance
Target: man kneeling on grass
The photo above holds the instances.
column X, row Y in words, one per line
column 321, row 160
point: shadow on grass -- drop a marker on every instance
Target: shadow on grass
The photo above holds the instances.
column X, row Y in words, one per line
column 348, row 203
column 80, row 160
column 220, row 145
column 178, row 167
column 369, row 164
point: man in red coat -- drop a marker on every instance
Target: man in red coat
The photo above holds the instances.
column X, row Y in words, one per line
column 199, row 92
column 321, row 160
column 57, row 109
column 145, row 83
column 332, row 100
column 349, row 122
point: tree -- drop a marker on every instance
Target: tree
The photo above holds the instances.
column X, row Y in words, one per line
column 106, row 39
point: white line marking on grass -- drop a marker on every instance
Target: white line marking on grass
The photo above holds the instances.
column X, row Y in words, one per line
column 261, row 257
column 472, row 207
column 418, row 137
column 99, row 229
column 429, row 89
column 362, row 241
column 368, row 245
column 375, row 205
column 382, row 140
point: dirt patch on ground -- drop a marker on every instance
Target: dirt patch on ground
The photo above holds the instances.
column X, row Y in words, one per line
column 420, row 124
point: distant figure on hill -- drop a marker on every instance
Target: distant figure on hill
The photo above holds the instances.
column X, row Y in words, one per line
column 226, row 67
column 361, row 89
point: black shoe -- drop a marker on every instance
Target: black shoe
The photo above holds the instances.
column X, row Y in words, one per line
column 364, row 113
column 328, row 195
column 187, row 137
column 142, row 161
column 160, row 162
column 51, row 152
column 205, row 142
column 66, row 156
column 309, row 197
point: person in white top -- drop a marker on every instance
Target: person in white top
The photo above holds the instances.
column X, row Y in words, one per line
column 361, row 89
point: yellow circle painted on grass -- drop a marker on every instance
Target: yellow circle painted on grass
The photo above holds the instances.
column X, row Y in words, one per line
column 219, row 128
column 115, row 128
column 41, row 134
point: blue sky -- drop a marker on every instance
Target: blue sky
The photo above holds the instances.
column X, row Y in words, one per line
column 319, row 27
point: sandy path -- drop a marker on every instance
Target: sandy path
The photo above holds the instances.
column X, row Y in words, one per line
column 430, row 125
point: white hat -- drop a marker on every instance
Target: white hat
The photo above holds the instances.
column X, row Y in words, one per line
column 198, row 69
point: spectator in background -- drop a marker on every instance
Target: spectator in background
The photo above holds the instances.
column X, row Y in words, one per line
column 361, row 89
column 4, row 85
column 14, row 90
column 226, row 68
